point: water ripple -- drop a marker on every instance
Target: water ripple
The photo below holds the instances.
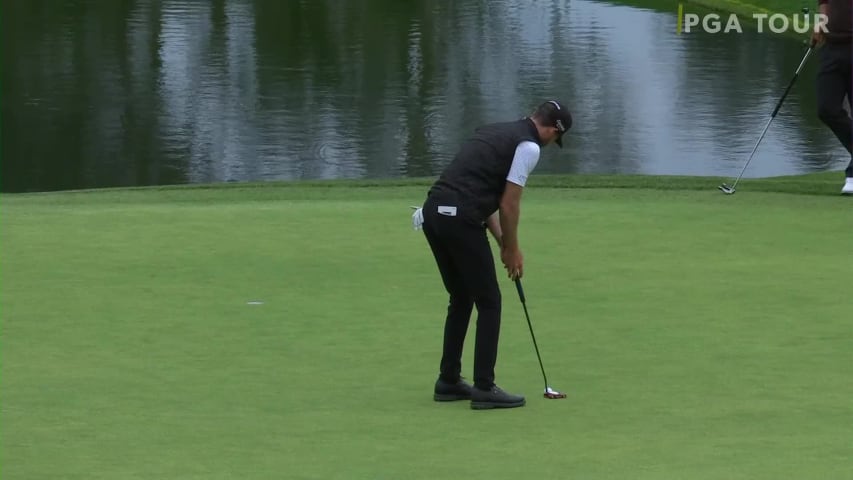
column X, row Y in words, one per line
column 187, row 91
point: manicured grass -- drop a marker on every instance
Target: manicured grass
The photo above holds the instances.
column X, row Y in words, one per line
column 748, row 8
column 760, row 6
column 743, row 9
column 698, row 335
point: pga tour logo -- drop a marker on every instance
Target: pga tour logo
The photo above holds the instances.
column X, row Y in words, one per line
column 776, row 23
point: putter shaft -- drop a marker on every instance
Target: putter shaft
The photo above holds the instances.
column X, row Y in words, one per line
column 530, row 326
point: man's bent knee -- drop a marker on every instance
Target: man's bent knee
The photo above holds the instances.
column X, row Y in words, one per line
column 489, row 301
column 461, row 302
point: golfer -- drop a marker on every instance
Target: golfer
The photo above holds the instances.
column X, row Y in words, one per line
column 835, row 75
column 481, row 189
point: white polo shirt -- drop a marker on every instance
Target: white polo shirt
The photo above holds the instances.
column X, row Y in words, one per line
column 525, row 160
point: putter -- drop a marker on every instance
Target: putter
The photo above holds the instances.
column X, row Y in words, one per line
column 725, row 188
column 549, row 392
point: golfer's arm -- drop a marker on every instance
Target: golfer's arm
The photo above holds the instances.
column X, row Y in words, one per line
column 510, row 210
column 494, row 225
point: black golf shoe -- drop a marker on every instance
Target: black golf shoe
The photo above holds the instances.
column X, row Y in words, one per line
column 494, row 398
column 448, row 392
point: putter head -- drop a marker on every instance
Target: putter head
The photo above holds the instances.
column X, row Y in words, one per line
column 726, row 189
column 553, row 394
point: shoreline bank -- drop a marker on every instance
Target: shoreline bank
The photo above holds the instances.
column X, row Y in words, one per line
column 746, row 10
column 818, row 183
column 743, row 10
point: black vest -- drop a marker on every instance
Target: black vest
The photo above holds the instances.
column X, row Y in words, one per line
column 475, row 179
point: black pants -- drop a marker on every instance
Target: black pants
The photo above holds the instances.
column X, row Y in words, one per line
column 464, row 258
column 834, row 80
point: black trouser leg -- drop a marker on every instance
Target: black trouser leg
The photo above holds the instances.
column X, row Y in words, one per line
column 467, row 268
column 834, row 81
column 488, row 331
column 458, row 309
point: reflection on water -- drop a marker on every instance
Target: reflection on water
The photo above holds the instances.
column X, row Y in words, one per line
column 119, row 93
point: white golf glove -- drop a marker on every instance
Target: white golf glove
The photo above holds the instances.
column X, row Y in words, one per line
column 418, row 218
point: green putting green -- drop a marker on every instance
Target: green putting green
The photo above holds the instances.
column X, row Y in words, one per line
column 294, row 331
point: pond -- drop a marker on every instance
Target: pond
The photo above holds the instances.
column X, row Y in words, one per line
column 127, row 93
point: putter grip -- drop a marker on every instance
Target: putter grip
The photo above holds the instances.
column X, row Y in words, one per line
column 520, row 290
